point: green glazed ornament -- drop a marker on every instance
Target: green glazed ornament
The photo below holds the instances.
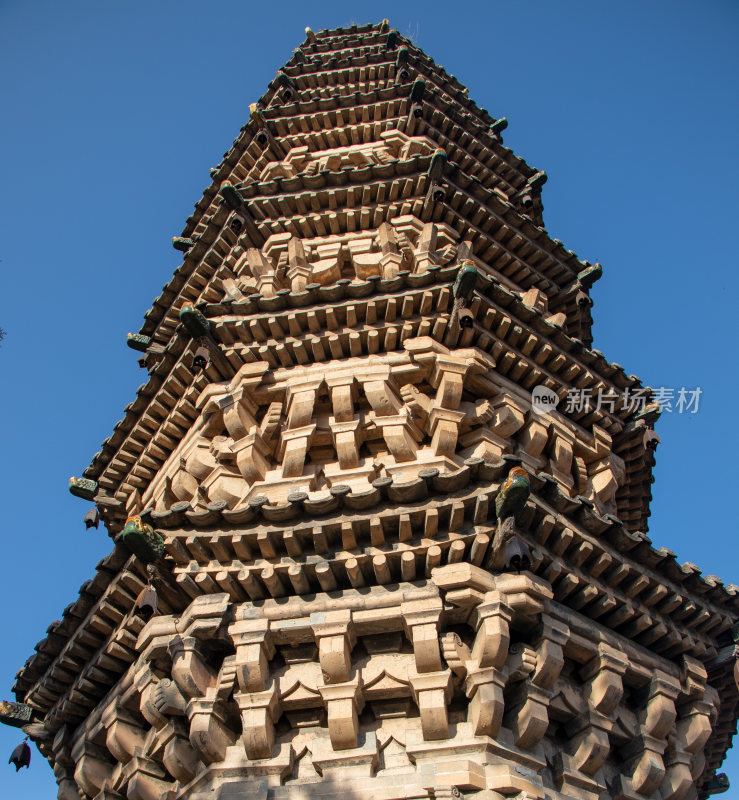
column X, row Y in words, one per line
column 465, row 281
column 142, row 540
column 419, row 85
column 438, row 162
column 15, row 714
column 182, row 244
column 83, row 487
column 195, row 323
column 513, row 493
column 231, row 195
column 137, row 341
column 499, row 126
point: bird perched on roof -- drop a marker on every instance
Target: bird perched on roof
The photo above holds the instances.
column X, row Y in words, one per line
column 513, row 494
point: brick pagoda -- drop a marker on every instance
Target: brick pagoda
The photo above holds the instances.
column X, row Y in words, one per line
column 351, row 560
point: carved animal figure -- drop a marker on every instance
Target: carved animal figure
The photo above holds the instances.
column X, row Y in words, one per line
column 513, row 494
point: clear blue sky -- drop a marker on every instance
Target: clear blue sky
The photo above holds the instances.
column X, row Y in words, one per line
column 113, row 112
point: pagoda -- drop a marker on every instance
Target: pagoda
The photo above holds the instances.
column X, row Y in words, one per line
column 364, row 547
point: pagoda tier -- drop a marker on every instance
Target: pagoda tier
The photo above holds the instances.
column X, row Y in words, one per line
column 352, row 555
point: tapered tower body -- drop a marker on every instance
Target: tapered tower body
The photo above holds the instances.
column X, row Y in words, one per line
column 379, row 510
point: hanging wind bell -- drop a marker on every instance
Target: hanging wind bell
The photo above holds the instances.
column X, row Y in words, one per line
column 517, row 555
column 147, row 602
column 466, row 320
column 21, row 756
column 201, row 359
